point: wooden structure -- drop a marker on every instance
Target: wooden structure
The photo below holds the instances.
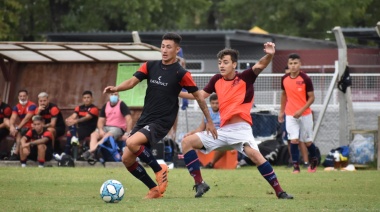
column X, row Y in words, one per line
column 65, row 70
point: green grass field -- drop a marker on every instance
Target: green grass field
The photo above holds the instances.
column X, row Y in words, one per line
column 77, row 189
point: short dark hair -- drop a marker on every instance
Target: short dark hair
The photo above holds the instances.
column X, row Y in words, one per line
column 213, row 97
column 232, row 52
column 286, row 68
column 294, row 56
column 87, row 92
column 172, row 36
column 23, row 90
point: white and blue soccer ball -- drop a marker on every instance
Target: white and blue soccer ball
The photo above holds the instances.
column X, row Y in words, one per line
column 112, row 191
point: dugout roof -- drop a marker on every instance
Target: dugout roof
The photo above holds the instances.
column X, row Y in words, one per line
column 78, row 52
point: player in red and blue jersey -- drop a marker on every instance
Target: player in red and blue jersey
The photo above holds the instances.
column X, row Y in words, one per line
column 5, row 114
column 24, row 111
column 235, row 94
column 36, row 144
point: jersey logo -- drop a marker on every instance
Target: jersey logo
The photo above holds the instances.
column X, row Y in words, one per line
column 158, row 82
column 147, row 128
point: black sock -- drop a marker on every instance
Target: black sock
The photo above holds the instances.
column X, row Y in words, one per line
column 147, row 157
column 140, row 173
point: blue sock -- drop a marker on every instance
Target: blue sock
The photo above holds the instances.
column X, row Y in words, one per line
column 147, row 157
column 267, row 172
column 193, row 165
column 295, row 153
column 68, row 145
column 140, row 173
column 312, row 150
column 73, row 130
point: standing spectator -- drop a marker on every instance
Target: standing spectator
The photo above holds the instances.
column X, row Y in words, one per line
column 235, row 94
column 5, row 114
column 53, row 119
column 36, row 144
column 114, row 120
column 82, row 122
column 296, row 98
column 165, row 79
column 24, row 111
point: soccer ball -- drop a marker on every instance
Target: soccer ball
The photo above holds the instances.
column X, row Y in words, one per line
column 112, row 191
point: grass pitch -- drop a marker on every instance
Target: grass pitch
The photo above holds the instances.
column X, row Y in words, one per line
column 244, row 189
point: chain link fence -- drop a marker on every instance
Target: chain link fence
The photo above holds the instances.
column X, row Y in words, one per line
column 365, row 95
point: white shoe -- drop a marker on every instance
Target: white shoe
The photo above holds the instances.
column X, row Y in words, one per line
column 41, row 166
column 23, row 165
column 74, row 141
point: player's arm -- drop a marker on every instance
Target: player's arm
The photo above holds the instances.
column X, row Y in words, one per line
column 126, row 85
column 12, row 122
column 266, row 59
column 100, row 125
column 43, row 140
column 70, row 120
column 23, row 141
column 200, row 97
column 27, row 117
column 310, row 101
column 5, row 123
column 186, row 95
column 282, row 108
column 84, row 118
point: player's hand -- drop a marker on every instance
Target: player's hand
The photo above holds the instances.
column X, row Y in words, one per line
column 281, row 117
column 297, row 114
column 110, row 89
column 210, row 128
column 269, row 48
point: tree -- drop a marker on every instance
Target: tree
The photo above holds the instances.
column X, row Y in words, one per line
column 9, row 11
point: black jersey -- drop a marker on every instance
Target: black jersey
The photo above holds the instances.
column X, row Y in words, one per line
column 165, row 82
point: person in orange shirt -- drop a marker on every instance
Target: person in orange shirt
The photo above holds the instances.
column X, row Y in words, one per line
column 235, row 94
column 296, row 98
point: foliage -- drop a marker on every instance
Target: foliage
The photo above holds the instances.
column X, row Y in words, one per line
column 244, row 189
column 29, row 19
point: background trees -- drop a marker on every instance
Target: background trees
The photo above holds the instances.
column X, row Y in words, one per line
column 29, row 19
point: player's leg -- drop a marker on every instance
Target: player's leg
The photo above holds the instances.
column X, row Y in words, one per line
column 293, row 129
column 41, row 150
column 307, row 137
column 266, row 170
column 304, row 153
column 189, row 144
column 137, row 170
column 138, row 143
column 24, row 152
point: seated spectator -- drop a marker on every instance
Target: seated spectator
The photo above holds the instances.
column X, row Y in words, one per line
column 82, row 122
column 114, row 120
column 36, row 144
column 53, row 119
column 24, row 111
column 5, row 114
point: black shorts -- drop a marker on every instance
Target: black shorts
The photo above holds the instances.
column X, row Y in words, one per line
column 4, row 132
column 83, row 133
column 34, row 153
column 153, row 132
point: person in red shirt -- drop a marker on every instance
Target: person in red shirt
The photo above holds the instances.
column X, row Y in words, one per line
column 235, row 94
column 53, row 118
column 24, row 111
column 82, row 122
column 36, row 144
column 297, row 96
column 5, row 114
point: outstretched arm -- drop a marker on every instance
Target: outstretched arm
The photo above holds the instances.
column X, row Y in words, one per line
column 200, row 97
column 126, row 85
column 264, row 61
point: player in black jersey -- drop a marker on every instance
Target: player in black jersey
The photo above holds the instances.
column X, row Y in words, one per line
column 165, row 79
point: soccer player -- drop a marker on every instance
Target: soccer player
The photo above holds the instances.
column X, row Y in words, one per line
column 36, row 144
column 235, row 95
column 296, row 98
column 24, row 111
column 165, row 79
column 5, row 114
column 215, row 116
column 53, row 119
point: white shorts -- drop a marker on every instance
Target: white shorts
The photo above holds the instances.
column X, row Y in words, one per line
column 231, row 136
column 301, row 128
